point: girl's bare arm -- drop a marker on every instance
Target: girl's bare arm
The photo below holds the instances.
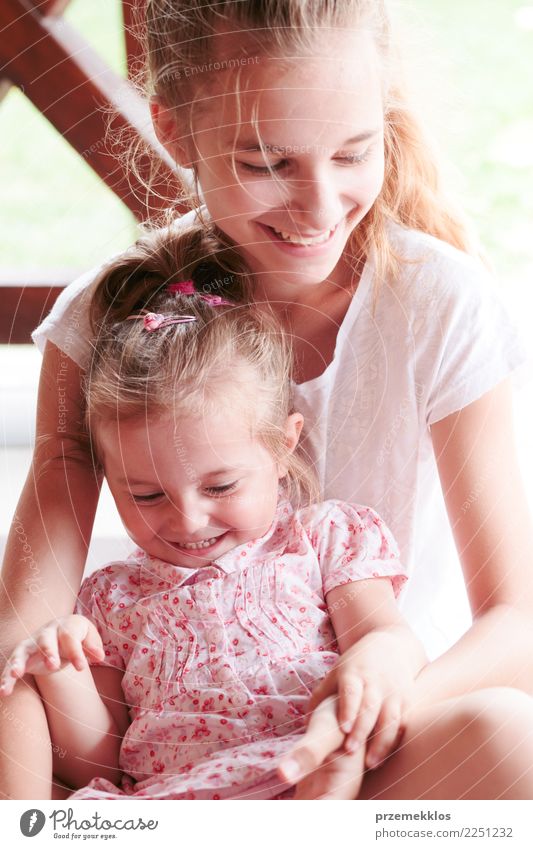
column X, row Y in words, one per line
column 48, row 540
column 489, row 515
column 87, row 719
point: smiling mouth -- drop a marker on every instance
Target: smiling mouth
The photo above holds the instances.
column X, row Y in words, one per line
column 198, row 546
column 302, row 240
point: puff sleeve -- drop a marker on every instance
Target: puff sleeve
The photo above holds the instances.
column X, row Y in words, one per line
column 353, row 543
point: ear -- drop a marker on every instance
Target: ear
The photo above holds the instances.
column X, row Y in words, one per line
column 167, row 131
column 293, row 429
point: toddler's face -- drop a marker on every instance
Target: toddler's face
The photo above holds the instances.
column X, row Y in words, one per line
column 189, row 491
column 322, row 120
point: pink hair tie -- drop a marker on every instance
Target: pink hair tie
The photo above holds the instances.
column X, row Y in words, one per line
column 186, row 287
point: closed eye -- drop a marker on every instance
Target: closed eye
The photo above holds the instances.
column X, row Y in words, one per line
column 354, row 158
column 265, row 169
column 146, row 499
column 348, row 159
column 221, row 490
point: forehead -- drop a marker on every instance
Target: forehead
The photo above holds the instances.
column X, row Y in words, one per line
column 329, row 96
column 138, row 448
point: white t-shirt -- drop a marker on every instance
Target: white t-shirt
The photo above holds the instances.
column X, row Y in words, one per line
column 436, row 339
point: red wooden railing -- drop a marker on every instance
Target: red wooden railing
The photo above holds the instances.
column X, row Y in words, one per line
column 73, row 87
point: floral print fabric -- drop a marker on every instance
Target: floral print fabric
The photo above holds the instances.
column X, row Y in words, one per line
column 219, row 662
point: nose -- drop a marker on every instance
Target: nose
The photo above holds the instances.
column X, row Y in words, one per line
column 186, row 517
column 315, row 202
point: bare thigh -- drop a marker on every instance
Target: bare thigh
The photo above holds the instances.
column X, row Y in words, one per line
column 476, row 746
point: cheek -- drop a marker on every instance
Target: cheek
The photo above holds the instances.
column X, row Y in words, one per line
column 140, row 525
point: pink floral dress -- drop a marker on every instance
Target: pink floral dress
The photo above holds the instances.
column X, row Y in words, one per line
column 219, row 662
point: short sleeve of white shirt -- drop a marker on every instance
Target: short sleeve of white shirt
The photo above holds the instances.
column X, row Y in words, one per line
column 465, row 341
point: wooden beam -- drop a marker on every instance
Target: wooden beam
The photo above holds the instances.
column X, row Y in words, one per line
column 77, row 92
column 23, row 308
column 50, row 7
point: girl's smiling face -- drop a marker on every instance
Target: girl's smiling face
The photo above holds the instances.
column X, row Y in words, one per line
column 192, row 491
column 292, row 205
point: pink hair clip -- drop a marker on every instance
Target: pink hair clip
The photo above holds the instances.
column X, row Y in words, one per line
column 216, row 301
column 186, row 287
column 154, row 321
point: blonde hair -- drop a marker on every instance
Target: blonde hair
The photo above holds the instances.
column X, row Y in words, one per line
column 181, row 52
column 231, row 357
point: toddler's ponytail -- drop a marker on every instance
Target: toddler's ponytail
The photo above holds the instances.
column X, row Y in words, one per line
column 138, row 278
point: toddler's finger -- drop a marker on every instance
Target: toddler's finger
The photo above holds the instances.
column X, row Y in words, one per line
column 366, row 719
column 350, row 696
column 14, row 668
column 46, row 644
column 386, row 733
column 92, row 644
column 322, row 737
column 70, row 649
column 7, row 681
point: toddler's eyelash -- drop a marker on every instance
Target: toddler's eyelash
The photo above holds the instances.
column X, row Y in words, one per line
column 146, row 499
column 221, row 490
column 211, row 490
column 350, row 159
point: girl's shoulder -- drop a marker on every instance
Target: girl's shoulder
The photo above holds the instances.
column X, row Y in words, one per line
column 116, row 584
column 435, row 267
column 351, row 542
column 336, row 517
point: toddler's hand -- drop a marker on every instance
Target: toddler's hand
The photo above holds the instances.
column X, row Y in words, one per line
column 373, row 694
column 69, row 639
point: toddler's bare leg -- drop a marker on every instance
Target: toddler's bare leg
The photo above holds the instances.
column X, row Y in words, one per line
column 477, row 746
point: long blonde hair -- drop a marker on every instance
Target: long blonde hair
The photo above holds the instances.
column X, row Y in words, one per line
column 180, row 43
column 231, row 357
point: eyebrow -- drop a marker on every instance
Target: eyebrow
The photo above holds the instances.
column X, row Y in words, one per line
column 216, row 474
column 251, row 145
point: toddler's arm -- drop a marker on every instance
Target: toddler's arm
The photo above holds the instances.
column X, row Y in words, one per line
column 372, row 684
column 380, row 659
column 86, row 713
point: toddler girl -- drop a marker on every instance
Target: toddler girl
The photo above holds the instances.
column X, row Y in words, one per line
column 216, row 629
column 293, row 120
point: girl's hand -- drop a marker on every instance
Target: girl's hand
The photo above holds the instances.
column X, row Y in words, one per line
column 373, row 683
column 69, row 639
column 319, row 764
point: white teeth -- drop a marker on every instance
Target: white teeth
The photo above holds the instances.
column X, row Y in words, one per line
column 299, row 240
column 192, row 545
